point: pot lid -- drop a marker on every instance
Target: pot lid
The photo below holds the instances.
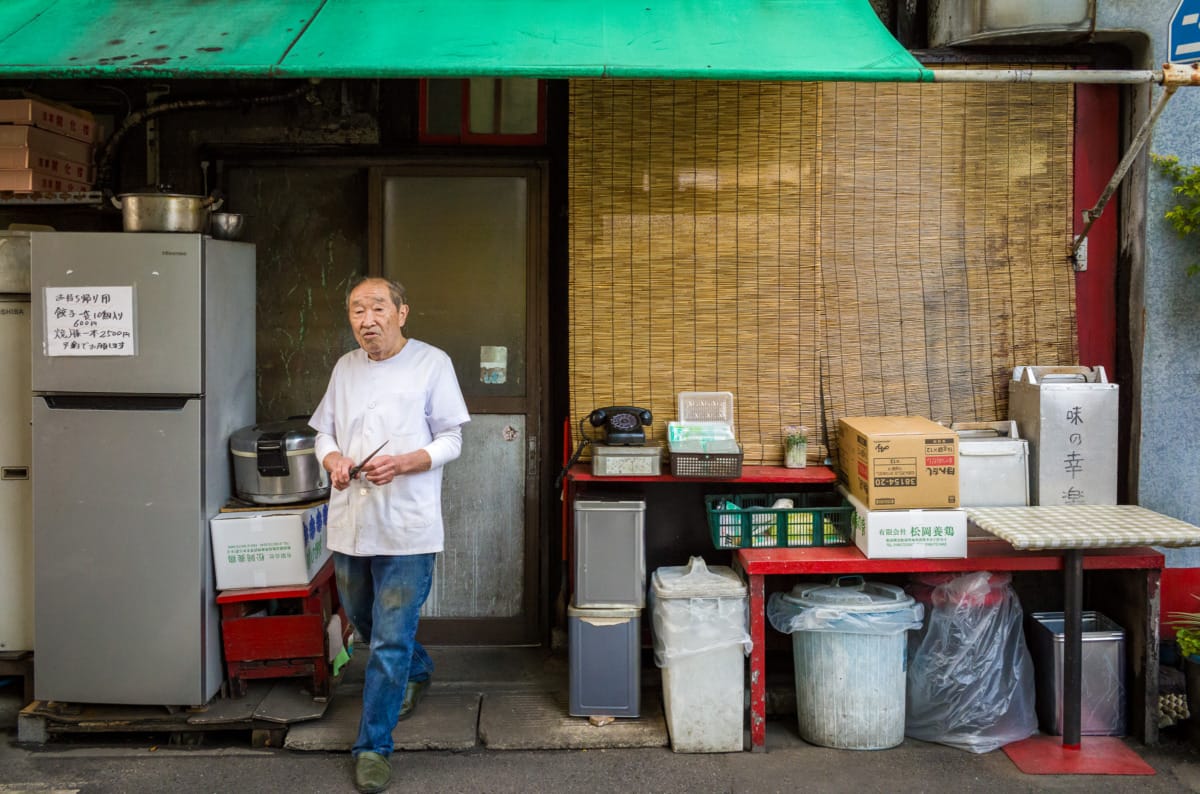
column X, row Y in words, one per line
column 850, row 594
column 293, row 434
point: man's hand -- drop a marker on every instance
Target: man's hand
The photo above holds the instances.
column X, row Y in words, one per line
column 382, row 469
column 338, row 466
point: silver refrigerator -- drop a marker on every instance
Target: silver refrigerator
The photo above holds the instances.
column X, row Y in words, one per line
column 16, row 522
column 142, row 366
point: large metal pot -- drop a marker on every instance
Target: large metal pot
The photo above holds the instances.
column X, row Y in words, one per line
column 275, row 463
column 165, row 212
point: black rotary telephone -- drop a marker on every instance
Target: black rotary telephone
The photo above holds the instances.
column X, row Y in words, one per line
column 622, row 424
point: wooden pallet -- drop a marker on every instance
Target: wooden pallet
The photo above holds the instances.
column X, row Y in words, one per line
column 264, row 713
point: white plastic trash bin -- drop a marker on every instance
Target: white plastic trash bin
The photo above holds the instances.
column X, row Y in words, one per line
column 849, row 653
column 700, row 641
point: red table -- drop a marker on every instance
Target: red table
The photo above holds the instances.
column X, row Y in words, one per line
column 983, row 555
column 292, row 642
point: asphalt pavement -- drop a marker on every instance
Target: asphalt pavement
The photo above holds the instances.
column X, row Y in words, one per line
column 218, row 762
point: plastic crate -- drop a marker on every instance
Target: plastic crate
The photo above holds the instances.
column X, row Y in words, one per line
column 710, row 465
column 739, row 521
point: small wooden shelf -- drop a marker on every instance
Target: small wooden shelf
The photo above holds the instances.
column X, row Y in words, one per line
column 809, row 475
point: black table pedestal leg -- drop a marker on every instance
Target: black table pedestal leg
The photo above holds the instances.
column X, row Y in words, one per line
column 1072, row 684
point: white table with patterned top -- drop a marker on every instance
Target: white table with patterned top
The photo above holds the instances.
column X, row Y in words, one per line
column 1071, row 529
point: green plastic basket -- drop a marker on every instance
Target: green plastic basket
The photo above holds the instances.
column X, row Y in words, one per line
column 742, row 521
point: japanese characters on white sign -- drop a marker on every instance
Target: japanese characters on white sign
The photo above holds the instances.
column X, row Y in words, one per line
column 89, row 321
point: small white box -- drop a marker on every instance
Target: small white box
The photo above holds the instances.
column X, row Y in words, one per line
column 908, row 534
column 269, row 548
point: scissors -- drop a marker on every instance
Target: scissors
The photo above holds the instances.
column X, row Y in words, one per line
column 356, row 469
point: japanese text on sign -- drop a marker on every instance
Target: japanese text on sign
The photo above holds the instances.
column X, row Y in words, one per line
column 89, row 321
column 1073, row 461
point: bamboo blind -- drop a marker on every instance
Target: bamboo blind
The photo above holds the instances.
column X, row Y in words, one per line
column 819, row 250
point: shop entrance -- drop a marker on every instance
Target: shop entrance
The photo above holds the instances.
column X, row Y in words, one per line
column 466, row 243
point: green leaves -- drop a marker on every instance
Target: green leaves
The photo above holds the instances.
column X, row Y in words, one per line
column 1184, row 217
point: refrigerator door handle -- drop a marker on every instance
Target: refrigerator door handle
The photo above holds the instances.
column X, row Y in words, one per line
column 109, row 402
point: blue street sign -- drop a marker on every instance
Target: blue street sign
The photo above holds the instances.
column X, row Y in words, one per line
column 1183, row 36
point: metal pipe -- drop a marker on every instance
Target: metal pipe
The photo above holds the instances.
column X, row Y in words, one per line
column 1135, row 148
column 1072, row 670
column 1105, row 76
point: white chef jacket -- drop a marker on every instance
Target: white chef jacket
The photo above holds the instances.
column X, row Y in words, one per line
column 411, row 400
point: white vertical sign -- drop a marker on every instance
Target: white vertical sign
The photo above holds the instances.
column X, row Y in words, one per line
column 89, row 321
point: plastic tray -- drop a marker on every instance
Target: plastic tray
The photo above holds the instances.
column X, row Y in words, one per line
column 739, row 521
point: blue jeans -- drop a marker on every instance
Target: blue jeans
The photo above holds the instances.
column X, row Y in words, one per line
column 383, row 598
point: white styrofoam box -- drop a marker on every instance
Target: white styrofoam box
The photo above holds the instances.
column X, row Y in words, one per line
column 908, row 534
column 269, row 548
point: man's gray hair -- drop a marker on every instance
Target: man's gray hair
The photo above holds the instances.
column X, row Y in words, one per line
column 395, row 288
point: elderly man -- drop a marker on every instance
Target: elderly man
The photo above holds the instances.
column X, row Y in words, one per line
column 401, row 396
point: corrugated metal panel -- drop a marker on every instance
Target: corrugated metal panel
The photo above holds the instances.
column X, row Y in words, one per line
column 715, row 39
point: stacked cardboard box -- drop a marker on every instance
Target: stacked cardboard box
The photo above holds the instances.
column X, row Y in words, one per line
column 45, row 147
column 901, row 475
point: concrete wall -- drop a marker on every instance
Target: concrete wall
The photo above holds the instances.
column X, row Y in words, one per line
column 1164, row 324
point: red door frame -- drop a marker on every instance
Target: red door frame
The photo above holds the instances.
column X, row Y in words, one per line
column 1097, row 154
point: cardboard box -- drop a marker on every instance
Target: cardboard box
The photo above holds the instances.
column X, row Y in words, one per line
column 269, row 548
column 14, row 157
column 49, row 144
column 898, row 462
column 65, row 120
column 28, row 180
column 908, row 534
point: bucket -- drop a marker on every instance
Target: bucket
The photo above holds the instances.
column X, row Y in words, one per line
column 851, row 665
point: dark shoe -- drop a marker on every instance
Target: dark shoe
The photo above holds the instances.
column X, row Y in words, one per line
column 412, row 696
column 372, row 772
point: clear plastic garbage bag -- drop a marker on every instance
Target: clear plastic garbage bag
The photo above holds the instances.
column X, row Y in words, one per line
column 848, row 605
column 970, row 676
column 696, row 609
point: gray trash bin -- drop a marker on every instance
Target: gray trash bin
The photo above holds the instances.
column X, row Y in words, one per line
column 850, row 654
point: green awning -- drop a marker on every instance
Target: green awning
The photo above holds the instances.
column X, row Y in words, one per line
column 682, row 39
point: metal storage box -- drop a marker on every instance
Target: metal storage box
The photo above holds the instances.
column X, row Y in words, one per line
column 610, row 554
column 993, row 467
column 605, row 663
column 1102, row 700
column 1069, row 417
column 627, row 460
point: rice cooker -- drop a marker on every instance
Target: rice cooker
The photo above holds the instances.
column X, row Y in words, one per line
column 276, row 463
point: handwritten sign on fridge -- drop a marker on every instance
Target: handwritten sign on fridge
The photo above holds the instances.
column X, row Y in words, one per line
column 89, row 321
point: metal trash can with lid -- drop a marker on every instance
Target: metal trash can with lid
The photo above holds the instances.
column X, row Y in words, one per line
column 850, row 659
column 700, row 642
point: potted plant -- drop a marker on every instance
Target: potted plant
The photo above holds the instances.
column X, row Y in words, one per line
column 1187, row 637
column 1184, row 217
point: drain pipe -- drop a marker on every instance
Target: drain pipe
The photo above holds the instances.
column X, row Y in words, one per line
column 105, row 155
column 1170, row 78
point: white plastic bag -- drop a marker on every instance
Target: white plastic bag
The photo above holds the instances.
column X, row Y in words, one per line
column 970, row 676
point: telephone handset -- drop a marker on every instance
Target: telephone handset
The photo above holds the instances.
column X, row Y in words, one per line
column 622, row 424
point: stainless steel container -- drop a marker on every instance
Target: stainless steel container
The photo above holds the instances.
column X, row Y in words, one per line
column 993, row 464
column 610, row 554
column 1102, row 681
column 165, row 212
column 1069, row 417
column 275, row 463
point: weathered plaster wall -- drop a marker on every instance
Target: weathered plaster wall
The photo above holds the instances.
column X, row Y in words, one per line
column 1164, row 321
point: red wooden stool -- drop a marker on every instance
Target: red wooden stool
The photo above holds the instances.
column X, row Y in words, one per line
column 292, row 642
